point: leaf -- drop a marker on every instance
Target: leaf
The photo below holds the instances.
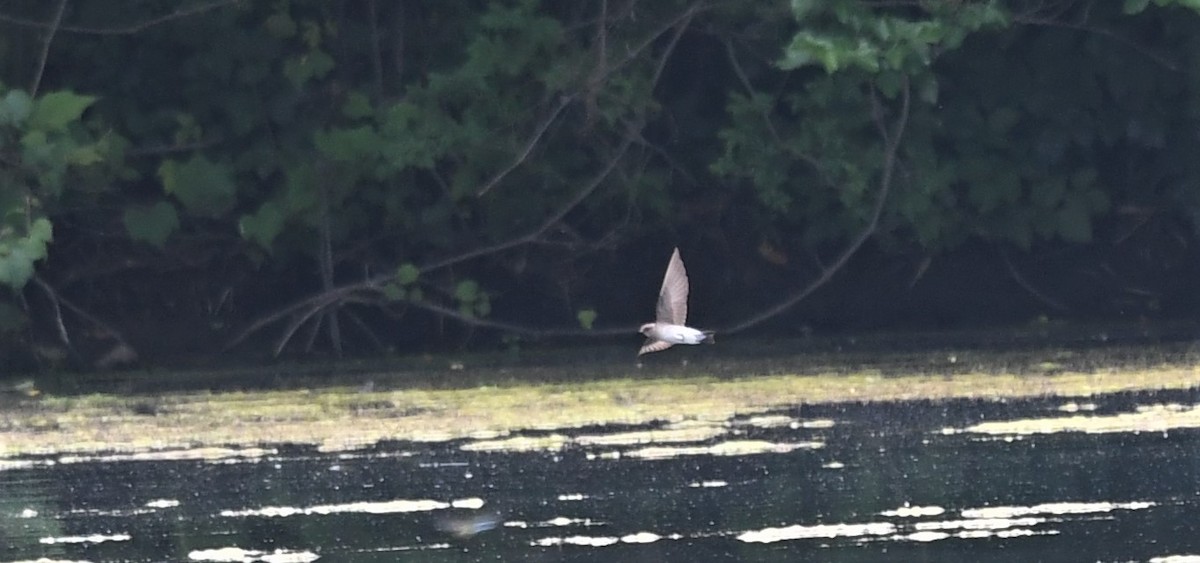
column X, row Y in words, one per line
column 348, row 145
column 357, row 106
column 15, row 107
column 393, row 292
column 1132, row 7
column 586, row 317
column 314, row 64
column 407, row 273
column 263, row 226
column 483, row 306
column 84, row 156
column 467, row 291
column 1074, row 223
column 16, row 267
column 280, row 25
column 205, row 188
column 19, row 253
column 53, row 111
column 151, row 223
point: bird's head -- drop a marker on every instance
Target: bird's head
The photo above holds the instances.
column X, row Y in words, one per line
column 646, row 328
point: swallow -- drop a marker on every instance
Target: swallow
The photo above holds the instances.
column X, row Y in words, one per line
column 668, row 328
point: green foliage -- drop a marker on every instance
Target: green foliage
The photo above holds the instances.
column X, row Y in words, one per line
column 407, row 273
column 56, row 110
column 472, row 301
column 300, row 125
column 204, row 187
column 843, row 34
column 20, row 250
column 44, row 146
column 263, row 226
column 151, row 223
column 586, row 318
column 15, row 107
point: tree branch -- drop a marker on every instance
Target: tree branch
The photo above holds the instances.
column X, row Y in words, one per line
column 51, row 29
column 310, row 305
column 533, row 141
column 125, row 30
column 891, row 146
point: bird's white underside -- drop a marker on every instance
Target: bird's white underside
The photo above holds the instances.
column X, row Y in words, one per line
column 669, row 327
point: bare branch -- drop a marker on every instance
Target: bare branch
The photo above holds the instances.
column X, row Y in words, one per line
column 124, row 30
column 891, row 146
column 50, row 31
column 311, row 305
column 533, row 141
column 1021, row 281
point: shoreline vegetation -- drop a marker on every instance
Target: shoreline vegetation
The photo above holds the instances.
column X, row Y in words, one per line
column 451, row 399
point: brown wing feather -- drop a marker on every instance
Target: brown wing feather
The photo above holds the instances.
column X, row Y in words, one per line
column 673, row 297
column 653, row 345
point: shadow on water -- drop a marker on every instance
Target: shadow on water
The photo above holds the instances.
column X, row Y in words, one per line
column 888, row 482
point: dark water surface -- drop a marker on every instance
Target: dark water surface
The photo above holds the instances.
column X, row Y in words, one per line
column 891, row 482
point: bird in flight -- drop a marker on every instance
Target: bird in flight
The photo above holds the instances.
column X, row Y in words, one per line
column 668, row 328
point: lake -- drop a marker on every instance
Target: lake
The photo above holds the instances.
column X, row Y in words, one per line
column 1109, row 478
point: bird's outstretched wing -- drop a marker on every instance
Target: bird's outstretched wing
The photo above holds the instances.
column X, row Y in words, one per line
column 673, row 297
column 653, row 345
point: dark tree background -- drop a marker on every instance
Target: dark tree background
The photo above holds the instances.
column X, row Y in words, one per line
column 363, row 176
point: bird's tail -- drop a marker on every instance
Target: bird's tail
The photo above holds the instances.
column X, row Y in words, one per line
column 708, row 337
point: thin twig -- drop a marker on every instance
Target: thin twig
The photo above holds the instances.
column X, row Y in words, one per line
column 52, row 295
column 51, row 29
column 1021, row 281
column 533, row 141
column 889, row 163
column 125, row 30
column 314, row 303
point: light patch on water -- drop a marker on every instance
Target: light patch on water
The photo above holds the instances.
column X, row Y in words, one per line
column 767, row 421
column 1176, row 559
column 162, row 503
column 709, row 484
column 565, row 521
column 597, row 541
column 592, row 456
column 381, row 507
column 48, row 560
column 551, row 442
column 1150, row 418
column 239, row 555
column 204, row 454
column 94, row 538
column 907, row 511
column 472, row 502
column 782, row 421
column 11, row 464
column 826, row 531
column 641, row 537
column 833, row 465
column 590, row 541
column 1054, row 508
column 730, row 448
column 995, row 523
column 668, row 436
column 1073, row 407
column 926, row 536
column 28, row 513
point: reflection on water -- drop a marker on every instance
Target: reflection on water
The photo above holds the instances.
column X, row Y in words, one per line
column 1111, row 479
